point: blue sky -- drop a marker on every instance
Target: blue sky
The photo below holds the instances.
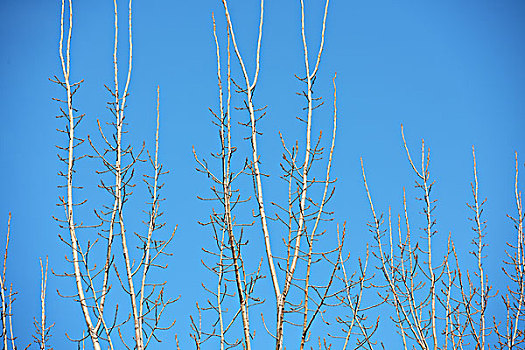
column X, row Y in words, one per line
column 452, row 72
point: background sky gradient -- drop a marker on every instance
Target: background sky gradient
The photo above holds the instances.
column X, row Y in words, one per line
column 452, row 72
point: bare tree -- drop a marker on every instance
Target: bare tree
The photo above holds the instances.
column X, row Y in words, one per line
column 42, row 328
column 414, row 298
column 466, row 313
column 411, row 275
column 7, row 298
column 147, row 302
column 512, row 336
column 299, row 300
column 227, row 232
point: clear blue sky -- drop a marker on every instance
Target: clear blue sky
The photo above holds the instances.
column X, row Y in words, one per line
column 452, row 72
